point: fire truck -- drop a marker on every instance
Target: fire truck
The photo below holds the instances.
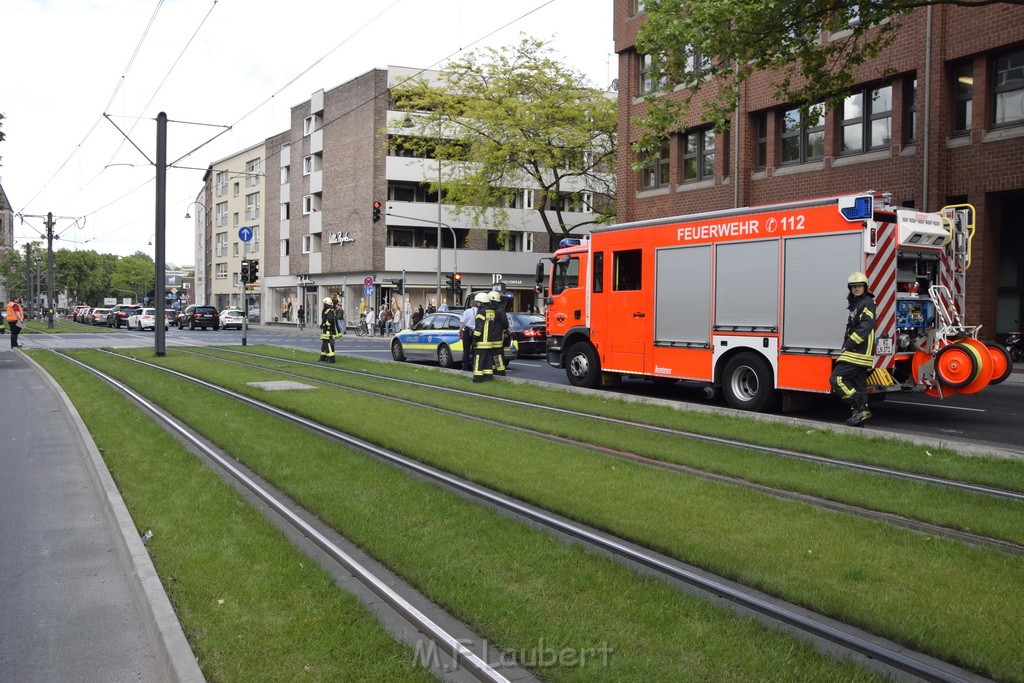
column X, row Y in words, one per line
column 750, row 301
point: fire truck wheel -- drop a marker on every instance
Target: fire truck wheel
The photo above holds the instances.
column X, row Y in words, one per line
column 747, row 383
column 582, row 366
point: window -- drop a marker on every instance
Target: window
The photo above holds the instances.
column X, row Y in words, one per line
column 963, row 97
column 401, row 237
column 235, row 190
column 802, row 139
column 222, row 214
column 310, row 244
column 696, row 63
column 698, row 155
column 285, row 173
column 286, row 209
column 646, row 81
column 636, row 7
column 234, row 219
column 867, row 120
column 401, row 193
column 311, row 124
column 284, row 247
column 655, row 173
column 310, row 204
column 761, row 142
column 234, row 249
column 567, row 275
column 910, row 107
column 221, row 183
column 222, row 271
column 252, row 173
column 307, row 165
column 626, row 270
column 221, row 244
column 598, row 273
column 522, row 199
column 252, row 206
column 1009, row 88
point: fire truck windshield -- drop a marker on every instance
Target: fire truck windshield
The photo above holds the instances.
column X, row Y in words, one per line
column 566, row 275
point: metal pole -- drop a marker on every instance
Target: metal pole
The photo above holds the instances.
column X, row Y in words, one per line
column 437, row 302
column 28, row 278
column 161, row 225
column 49, row 269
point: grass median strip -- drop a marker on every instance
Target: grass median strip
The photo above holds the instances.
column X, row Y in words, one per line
column 253, row 606
column 523, row 589
column 956, row 602
column 998, row 518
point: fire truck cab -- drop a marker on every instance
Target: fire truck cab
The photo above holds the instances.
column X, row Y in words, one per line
column 750, row 301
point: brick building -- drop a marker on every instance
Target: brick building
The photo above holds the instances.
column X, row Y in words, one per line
column 945, row 125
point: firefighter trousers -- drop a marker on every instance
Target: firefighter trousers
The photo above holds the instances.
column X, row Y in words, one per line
column 850, row 383
column 326, row 350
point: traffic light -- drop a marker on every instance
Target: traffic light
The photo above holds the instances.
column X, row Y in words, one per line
column 450, row 282
column 457, row 284
column 376, row 211
column 254, row 270
column 399, row 283
column 245, row 271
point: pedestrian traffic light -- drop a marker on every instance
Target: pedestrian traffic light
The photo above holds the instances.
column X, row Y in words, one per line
column 254, row 270
column 245, row 271
column 376, row 211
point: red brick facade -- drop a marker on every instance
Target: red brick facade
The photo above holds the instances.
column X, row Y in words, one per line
column 926, row 166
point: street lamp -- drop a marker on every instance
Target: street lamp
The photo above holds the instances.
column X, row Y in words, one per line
column 408, row 123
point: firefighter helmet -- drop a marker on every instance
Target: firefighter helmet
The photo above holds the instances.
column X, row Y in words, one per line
column 480, row 298
column 494, row 295
column 857, row 278
column 328, row 301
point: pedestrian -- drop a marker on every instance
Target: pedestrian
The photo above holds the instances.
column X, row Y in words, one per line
column 302, row 317
column 15, row 320
column 328, row 331
column 498, row 357
column 487, row 338
column 417, row 315
column 370, row 321
column 849, row 377
column 466, row 324
column 340, row 318
column 430, row 307
column 384, row 320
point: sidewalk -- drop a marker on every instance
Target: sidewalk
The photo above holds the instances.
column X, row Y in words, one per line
column 79, row 598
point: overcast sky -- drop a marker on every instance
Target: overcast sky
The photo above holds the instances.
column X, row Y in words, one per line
column 211, row 64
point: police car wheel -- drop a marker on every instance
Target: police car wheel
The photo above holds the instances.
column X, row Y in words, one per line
column 444, row 357
column 396, row 351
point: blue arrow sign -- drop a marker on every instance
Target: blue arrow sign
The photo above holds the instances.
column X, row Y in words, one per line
column 245, row 233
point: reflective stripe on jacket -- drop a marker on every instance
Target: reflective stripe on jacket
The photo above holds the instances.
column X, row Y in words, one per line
column 859, row 344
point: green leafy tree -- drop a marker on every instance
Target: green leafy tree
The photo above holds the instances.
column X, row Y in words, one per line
column 510, row 120
column 694, row 42
column 84, row 275
column 12, row 267
column 134, row 274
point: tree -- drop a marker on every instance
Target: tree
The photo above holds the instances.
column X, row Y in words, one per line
column 693, row 42
column 134, row 274
column 510, row 120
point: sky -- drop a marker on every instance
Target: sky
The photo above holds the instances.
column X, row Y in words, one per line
column 84, row 80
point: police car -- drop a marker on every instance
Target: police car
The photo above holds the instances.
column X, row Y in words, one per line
column 436, row 338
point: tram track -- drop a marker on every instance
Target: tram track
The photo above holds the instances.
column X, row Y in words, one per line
column 797, row 619
column 900, row 520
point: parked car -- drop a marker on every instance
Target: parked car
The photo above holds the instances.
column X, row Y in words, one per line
column 436, row 338
column 76, row 313
column 119, row 315
column 530, row 332
column 85, row 315
column 99, row 316
column 231, row 317
column 143, row 319
column 199, row 316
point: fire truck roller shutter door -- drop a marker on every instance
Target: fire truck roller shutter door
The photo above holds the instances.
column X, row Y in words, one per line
column 816, row 269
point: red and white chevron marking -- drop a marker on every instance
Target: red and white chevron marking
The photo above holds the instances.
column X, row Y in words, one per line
column 880, row 268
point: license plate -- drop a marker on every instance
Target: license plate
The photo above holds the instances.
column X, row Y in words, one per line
column 883, row 347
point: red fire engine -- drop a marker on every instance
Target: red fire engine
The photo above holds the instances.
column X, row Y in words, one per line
column 751, row 300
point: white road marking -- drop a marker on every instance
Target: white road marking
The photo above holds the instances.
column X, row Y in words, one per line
column 936, row 405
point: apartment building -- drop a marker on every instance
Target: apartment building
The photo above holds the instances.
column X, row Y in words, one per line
column 329, row 168
column 234, row 192
column 936, row 119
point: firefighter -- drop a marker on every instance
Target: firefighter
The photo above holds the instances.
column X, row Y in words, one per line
column 849, row 378
column 328, row 331
column 494, row 299
column 466, row 325
column 487, row 338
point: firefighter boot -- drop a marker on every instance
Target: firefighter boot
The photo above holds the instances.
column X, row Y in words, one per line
column 860, row 414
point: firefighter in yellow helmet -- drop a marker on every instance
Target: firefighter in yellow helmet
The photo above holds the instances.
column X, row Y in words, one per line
column 328, row 331
column 849, row 377
column 487, row 340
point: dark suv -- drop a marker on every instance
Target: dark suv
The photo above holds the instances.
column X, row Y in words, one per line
column 119, row 315
column 199, row 316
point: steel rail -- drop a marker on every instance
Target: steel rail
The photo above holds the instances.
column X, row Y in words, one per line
column 894, row 655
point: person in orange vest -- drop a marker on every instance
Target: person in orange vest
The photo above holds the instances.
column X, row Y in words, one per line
column 15, row 320
column 849, row 378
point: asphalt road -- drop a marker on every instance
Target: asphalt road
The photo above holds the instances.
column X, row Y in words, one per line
column 991, row 418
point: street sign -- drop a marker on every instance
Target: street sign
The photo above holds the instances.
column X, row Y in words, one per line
column 368, row 291
column 245, row 233
column 368, row 281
